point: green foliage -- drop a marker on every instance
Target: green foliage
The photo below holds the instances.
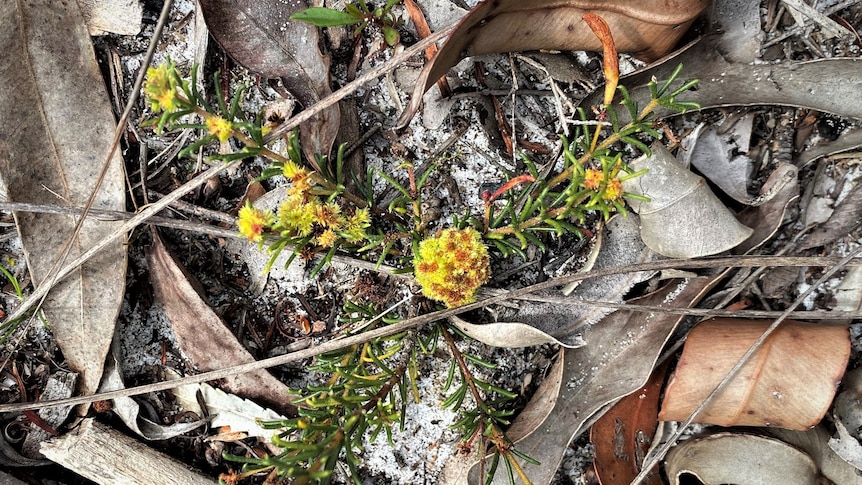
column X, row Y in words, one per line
column 589, row 181
column 367, row 387
column 9, row 326
column 359, row 13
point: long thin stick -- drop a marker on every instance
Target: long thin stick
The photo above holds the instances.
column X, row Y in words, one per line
column 736, row 261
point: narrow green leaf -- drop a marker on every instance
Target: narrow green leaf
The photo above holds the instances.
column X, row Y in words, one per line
column 325, row 17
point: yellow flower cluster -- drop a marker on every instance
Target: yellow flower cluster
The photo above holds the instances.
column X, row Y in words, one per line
column 611, row 189
column 452, row 265
column 219, row 127
column 161, row 87
column 253, row 221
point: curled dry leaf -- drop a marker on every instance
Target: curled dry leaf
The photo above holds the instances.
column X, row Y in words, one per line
column 202, row 336
column 720, row 155
column 683, row 218
column 647, row 28
column 56, row 128
column 129, row 411
column 779, row 192
column 510, row 334
column 742, row 459
column 788, row 383
column 845, row 218
column 814, row 442
column 847, row 412
column 259, row 36
column 241, row 415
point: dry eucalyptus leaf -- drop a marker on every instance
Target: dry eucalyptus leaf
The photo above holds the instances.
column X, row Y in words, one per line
column 621, row 245
column 128, row 410
column 202, row 336
column 779, row 192
column 618, row 359
column 648, row 28
column 788, row 383
column 683, row 218
column 565, row 317
column 720, row 158
column 56, row 127
column 827, row 85
column 845, row 218
column 847, row 411
column 846, row 446
column 814, row 442
column 848, row 293
column 849, row 140
column 228, row 410
column 741, row 459
column 259, row 36
column 510, row 334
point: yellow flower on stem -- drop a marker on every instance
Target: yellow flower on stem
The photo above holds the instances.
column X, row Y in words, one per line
column 327, row 238
column 593, row 179
column 614, row 190
column 219, row 127
column 161, row 87
column 452, row 265
column 253, row 221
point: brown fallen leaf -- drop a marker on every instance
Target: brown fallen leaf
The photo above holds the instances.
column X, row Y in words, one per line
column 789, row 383
column 202, row 336
column 648, row 28
column 623, row 435
column 56, row 128
column 259, row 36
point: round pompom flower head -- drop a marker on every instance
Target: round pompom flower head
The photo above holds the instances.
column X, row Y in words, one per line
column 452, row 265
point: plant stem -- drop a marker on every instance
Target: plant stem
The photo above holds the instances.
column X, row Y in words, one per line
column 610, row 140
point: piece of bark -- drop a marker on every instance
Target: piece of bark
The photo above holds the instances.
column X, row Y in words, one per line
column 112, row 16
column 104, row 455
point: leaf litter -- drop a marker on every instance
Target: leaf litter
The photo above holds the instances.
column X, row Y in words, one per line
column 476, row 140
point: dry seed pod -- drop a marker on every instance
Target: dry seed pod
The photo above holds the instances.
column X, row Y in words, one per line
column 788, row 383
column 683, row 218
